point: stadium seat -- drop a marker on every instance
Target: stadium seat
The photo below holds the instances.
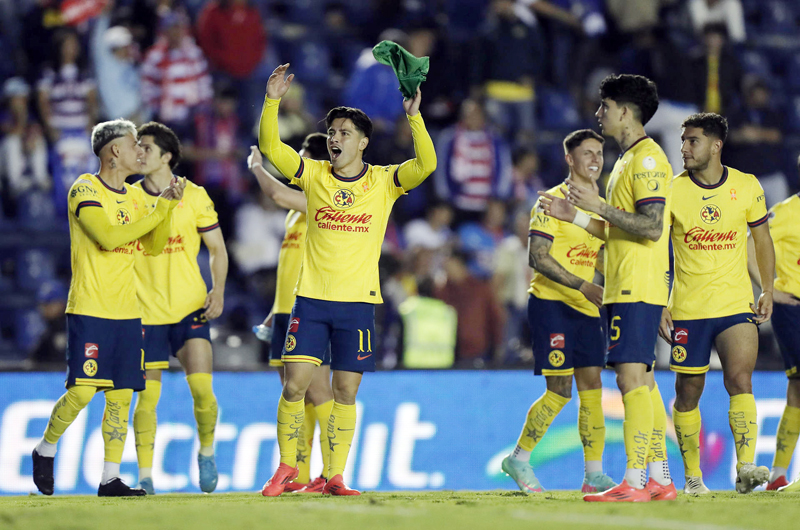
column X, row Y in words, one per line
column 34, row 266
column 793, row 114
column 36, row 210
column 28, row 327
column 557, row 109
column 755, row 62
column 793, row 74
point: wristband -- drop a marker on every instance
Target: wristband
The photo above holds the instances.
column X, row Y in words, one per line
column 581, row 219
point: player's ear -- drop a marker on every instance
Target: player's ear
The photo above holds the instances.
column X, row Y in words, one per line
column 363, row 143
column 166, row 157
column 568, row 159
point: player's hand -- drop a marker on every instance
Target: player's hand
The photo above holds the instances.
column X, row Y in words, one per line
column 412, row 104
column 666, row 327
column 254, row 158
column 585, row 198
column 557, row 207
column 764, row 309
column 781, row 297
column 592, row 292
column 215, row 302
column 277, row 85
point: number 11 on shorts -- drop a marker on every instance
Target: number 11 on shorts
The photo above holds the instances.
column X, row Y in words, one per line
column 361, row 341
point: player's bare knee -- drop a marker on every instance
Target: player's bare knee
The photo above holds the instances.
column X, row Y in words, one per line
column 793, row 392
column 738, row 383
column 294, row 389
column 560, row 384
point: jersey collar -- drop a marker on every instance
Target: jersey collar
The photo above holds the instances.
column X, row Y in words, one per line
column 711, row 186
column 147, row 190
column 123, row 191
column 645, row 137
column 350, row 179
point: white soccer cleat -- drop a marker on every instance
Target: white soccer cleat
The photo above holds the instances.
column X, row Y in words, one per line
column 695, row 486
column 750, row 477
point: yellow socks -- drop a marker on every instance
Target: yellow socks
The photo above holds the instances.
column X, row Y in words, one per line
column 637, row 428
column 144, row 424
column 290, row 420
column 115, row 423
column 687, row 430
column 205, row 410
column 742, row 418
column 592, row 426
column 66, row 410
column 341, row 428
column 786, row 439
column 657, row 453
column 304, row 443
column 323, row 417
column 540, row 416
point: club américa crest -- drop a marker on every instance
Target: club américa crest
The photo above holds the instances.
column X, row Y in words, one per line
column 344, row 198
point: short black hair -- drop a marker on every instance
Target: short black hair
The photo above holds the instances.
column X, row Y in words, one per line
column 315, row 146
column 712, row 124
column 359, row 118
column 164, row 138
column 576, row 138
column 636, row 90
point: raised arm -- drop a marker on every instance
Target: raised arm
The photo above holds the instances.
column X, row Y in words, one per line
column 412, row 173
column 283, row 157
column 281, row 194
column 540, row 259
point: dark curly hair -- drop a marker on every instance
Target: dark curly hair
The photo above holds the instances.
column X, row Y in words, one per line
column 711, row 123
column 359, row 118
column 634, row 90
column 164, row 138
column 316, row 146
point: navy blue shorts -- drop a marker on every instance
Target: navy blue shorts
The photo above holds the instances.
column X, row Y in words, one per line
column 164, row 340
column 104, row 353
column 348, row 327
column 280, row 324
column 563, row 338
column 692, row 341
column 632, row 333
column 786, row 323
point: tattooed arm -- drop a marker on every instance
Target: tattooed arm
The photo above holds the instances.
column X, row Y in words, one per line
column 647, row 222
column 539, row 258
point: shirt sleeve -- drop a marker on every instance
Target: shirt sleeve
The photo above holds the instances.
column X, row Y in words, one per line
column 542, row 225
column 284, row 158
column 83, row 194
column 411, row 173
column 649, row 174
column 757, row 211
column 207, row 219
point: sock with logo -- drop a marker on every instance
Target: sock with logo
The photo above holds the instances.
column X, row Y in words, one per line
column 592, row 427
column 144, row 423
column 290, row 421
column 115, row 423
column 304, row 442
column 540, row 416
column 637, row 429
column 742, row 419
column 786, row 439
column 657, row 454
column 205, row 410
column 64, row 413
column 323, row 417
column 341, row 428
column 687, row 430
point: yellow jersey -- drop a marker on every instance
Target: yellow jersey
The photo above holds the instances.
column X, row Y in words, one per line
column 573, row 248
column 170, row 286
column 709, row 240
column 784, row 220
column 636, row 268
column 103, row 284
column 290, row 259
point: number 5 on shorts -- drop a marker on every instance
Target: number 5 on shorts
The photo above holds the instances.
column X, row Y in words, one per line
column 615, row 331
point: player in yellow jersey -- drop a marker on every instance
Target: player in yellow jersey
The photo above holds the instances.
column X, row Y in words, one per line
column 712, row 299
column 319, row 396
column 104, row 327
column 176, row 305
column 348, row 203
column 784, row 218
column 565, row 323
column 636, row 218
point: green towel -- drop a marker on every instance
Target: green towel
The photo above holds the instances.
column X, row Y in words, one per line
column 410, row 70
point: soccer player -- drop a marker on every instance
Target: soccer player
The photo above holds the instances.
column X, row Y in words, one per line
column 565, row 322
column 712, row 299
column 348, row 203
column 636, row 271
column 784, row 218
column 319, row 396
column 176, row 305
column 104, row 327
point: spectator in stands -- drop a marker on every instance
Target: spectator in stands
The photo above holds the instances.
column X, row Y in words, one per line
column 144, row 19
column 716, row 72
column 480, row 316
column 23, row 152
column 729, row 13
column 430, row 328
column 294, row 120
column 474, row 164
column 175, row 78
column 39, row 25
column 114, row 55
column 756, row 140
column 433, row 232
column 480, row 240
column 506, row 66
column 526, row 180
column 51, row 347
column 632, row 17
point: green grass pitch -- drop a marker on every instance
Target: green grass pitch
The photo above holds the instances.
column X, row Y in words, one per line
column 495, row 510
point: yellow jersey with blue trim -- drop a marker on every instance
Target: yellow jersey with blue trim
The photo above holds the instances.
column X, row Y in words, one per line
column 709, row 240
column 170, row 286
column 573, row 248
column 637, row 268
column 103, row 283
column 784, row 220
column 290, row 259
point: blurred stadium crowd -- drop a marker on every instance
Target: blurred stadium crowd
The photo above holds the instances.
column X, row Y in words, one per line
column 508, row 80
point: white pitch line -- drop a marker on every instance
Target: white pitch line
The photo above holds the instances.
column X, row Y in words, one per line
column 624, row 521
